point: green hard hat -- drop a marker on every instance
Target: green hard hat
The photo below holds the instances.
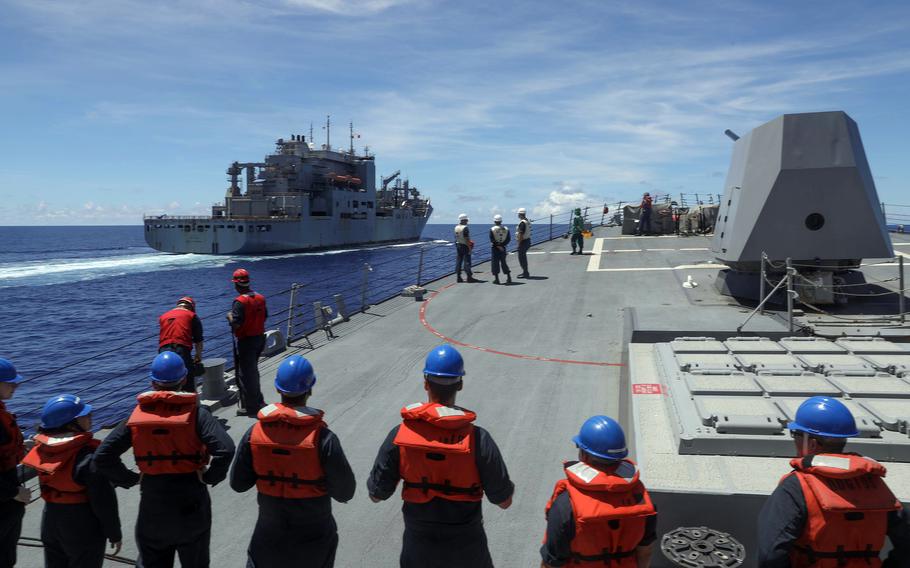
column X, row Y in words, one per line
column 578, row 210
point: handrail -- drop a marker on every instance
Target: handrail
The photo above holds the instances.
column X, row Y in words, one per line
column 433, row 262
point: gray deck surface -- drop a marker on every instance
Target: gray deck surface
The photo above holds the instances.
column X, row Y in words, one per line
column 574, row 308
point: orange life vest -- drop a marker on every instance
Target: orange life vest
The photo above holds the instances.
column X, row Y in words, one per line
column 610, row 511
column 12, row 452
column 54, row 457
column 165, row 440
column 285, row 449
column 253, row 315
column 176, row 326
column 436, row 454
column 848, row 504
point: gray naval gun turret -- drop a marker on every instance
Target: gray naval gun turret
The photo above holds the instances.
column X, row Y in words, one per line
column 798, row 187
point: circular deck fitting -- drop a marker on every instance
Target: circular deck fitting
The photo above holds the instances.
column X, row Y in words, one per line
column 702, row 547
column 453, row 341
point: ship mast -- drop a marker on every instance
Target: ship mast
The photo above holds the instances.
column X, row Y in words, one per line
column 328, row 132
column 311, row 133
column 351, row 124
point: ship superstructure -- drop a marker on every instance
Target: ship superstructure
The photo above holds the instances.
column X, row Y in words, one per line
column 301, row 197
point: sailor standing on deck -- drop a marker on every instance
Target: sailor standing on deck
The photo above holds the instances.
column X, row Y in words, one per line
column 173, row 440
column 834, row 509
column 644, row 218
column 578, row 227
column 80, row 510
column 499, row 239
column 463, row 246
column 523, row 236
column 13, row 494
column 600, row 514
column 181, row 329
column 298, row 466
column 247, row 318
column 447, row 465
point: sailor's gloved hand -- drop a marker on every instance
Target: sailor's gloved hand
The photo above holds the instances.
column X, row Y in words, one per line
column 24, row 495
column 115, row 547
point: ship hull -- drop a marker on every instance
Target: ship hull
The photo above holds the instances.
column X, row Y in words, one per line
column 207, row 235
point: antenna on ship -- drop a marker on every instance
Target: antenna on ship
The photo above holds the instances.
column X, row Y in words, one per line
column 311, row 131
column 351, row 124
column 328, row 132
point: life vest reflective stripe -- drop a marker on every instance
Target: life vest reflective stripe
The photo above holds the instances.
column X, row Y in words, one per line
column 460, row 238
column 500, row 234
column 847, row 502
column 526, row 235
column 253, row 315
column 176, row 326
column 54, row 458
column 285, row 448
column 12, row 452
column 163, row 428
column 610, row 512
column 436, row 454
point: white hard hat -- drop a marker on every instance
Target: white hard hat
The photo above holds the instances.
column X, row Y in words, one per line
column 463, row 217
column 522, row 211
column 497, row 218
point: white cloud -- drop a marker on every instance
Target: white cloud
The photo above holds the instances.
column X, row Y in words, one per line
column 566, row 197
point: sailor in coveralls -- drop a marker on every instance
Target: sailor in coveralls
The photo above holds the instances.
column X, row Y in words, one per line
column 447, row 464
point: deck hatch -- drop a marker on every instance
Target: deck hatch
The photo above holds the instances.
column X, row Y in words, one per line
column 735, row 383
column 753, row 345
column 706, row 362
column 697, row 345
column 810, row 345
column 758, row 362
column 804, row 385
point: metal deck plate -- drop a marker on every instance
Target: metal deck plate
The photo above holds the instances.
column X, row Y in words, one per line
column 729, row 411
column 805, row 385
column 758, row 362
column 810, row 345
column 734, row 383
column 864, row 345
column 706, row 362
column 753, row 345
column 697, row 345
column 828, row 363
column 881, row 386
column 889, row 362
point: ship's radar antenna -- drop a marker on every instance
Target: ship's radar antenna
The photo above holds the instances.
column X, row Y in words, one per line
column 311, row 131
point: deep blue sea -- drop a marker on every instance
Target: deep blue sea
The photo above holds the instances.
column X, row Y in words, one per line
column 73, row 293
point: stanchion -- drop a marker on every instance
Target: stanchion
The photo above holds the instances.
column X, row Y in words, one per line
column 790, row 294
column 900, row 297
column 761, row 286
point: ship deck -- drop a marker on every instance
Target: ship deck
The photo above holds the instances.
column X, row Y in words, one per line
column 541, row 356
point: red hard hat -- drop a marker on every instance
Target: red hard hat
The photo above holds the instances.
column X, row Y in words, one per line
column 188, row 301
column 241, row 276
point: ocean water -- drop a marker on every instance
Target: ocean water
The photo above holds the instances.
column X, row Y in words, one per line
column 80, row 304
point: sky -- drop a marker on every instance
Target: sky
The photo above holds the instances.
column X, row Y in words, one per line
column 109, row 110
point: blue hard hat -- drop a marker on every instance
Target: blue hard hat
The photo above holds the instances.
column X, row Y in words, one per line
column 444, row 361
column 62, row 409
column 295, row 376
column 825, row 417
column 8, row 372
column 602, row 437
column 167, row 367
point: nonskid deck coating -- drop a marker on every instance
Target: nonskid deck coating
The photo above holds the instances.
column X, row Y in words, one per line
column 531, row 407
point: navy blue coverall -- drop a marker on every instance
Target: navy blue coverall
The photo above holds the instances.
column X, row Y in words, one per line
column 175, row 511
column 444, row 533
column 296, row 532
column 75, row 535
column 783, row 519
